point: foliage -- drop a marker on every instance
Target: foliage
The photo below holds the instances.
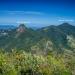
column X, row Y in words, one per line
column 22, row 63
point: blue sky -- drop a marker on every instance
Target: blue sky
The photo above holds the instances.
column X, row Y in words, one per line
column 37, row 12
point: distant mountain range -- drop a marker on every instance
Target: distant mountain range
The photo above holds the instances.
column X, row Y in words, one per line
column 43, row 40
column 7, row 27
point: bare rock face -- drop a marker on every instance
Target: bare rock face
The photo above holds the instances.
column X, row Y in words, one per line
column 21, row 28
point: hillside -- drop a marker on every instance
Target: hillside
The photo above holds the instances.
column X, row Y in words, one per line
column 46, row 51
column 43, row 40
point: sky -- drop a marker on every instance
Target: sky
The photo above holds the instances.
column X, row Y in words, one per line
column 37, row 13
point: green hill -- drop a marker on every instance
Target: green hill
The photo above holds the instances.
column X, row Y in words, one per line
column 50, row 38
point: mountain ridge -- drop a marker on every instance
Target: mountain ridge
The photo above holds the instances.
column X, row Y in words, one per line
column 50, row 38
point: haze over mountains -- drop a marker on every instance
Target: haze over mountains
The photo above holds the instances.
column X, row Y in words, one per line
column 50, row 38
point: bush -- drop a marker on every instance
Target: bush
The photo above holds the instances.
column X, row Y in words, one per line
column 22, row 63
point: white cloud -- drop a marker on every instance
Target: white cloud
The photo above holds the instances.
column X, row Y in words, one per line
column 26, row 22
column 66, row 20
column 34, row 13
column 24, row 12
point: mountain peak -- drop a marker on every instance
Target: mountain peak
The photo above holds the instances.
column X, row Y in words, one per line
column 65, row 24
column 21, row 28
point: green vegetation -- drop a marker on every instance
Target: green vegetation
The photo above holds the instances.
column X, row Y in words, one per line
column 47, row 38
column 22, row 63
column 46, row 51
